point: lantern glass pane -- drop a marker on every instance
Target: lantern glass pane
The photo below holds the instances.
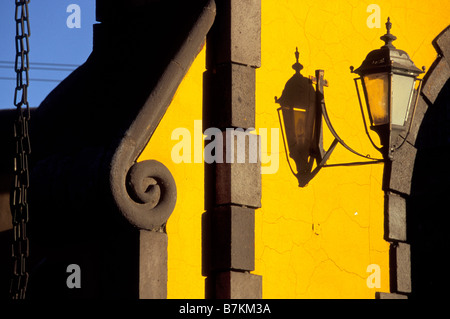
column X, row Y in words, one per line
column 402, row 92
column 376, row 91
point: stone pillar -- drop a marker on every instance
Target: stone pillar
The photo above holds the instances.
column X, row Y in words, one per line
column 152, row 265
column 233, row 179
column 397, row 182
column 398, row 172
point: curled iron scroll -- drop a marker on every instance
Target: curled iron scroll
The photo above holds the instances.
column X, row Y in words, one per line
column 153, row 194
column 145, row 192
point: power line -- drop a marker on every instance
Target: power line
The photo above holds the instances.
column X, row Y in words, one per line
column 38, row 80
column 45, row 64
column 37, row 68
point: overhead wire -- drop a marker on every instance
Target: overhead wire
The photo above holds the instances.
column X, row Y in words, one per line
column 37, row 68
column 44, row 66
column 45, row 63
column 31, row 79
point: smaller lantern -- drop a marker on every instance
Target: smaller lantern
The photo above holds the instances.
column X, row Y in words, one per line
column 388, row 78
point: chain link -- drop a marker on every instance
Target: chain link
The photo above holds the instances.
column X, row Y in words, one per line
column 19, row 204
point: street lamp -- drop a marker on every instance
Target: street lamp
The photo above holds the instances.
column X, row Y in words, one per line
column 388, row 78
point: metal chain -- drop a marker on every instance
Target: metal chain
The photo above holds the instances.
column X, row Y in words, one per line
column 19, row 204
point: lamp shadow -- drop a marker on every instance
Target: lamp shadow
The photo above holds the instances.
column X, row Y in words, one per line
column 301, row 125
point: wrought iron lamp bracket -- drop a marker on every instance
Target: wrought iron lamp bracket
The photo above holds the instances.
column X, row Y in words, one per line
column 337, row 139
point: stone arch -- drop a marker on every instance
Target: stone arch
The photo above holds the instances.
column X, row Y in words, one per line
column 407, row 182
column 426, row 216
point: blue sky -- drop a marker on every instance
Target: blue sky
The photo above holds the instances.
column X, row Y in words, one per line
column 51, row 42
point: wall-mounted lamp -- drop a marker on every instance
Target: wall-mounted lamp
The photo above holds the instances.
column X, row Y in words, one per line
column 388, row 78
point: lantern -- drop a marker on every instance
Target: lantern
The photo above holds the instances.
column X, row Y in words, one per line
column 388, row 78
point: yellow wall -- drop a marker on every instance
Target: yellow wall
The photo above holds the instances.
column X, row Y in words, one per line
column 313, row 242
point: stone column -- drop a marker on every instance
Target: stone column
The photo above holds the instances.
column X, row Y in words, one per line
column 397, row 184
column 233, row 180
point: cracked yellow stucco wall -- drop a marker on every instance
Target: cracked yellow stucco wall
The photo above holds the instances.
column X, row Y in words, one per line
column 317, row 241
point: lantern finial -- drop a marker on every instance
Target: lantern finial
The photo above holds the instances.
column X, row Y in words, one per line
column 297, row 66
column 388, row 37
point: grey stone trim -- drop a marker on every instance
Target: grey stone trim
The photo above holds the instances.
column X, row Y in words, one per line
column 232, row 187
column 234, row 285
column 235, row 180
column 384, row 295
column 239, row 183
column 230, row 239
column 435, row 79
column 400, row 263
column 439, row 72
column 236, row 34
column 153, row 265
column 398, row 172
column 395, row 217
column 229, row 97
column 442, row 43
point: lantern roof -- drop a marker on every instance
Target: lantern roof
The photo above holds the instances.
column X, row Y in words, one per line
column 388, row 59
